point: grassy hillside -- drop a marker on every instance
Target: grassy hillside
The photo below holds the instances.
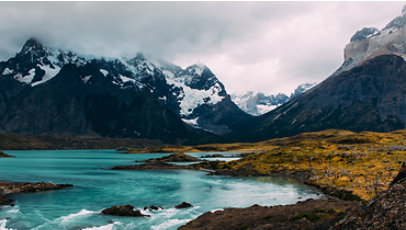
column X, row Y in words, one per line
column 362, row 164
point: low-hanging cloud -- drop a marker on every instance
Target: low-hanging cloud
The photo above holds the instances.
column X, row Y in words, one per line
column 261, row 46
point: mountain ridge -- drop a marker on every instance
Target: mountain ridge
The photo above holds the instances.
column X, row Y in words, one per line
column 194, row 94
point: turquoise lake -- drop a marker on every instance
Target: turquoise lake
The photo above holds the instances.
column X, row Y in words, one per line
column 96, row 187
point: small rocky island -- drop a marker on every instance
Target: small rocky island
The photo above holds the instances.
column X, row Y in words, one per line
column 162, row 163
column 7, row 188
column 2, row 154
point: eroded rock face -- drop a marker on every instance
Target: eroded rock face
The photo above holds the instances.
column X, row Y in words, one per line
column 124, row 210
column 370, row 42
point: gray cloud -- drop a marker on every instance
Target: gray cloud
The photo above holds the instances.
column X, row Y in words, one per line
column 260, row 46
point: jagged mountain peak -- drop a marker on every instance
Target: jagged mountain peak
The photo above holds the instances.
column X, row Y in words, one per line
column 32, row 44
column 194, row 93
column 370, row 42
column 259, row 103
column 397, row 22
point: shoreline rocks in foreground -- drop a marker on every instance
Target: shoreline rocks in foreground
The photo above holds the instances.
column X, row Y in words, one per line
column 385, row 211
column 309, row 214
column 7, row 188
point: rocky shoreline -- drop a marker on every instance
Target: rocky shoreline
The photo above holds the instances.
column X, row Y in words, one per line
column 7, row 188
column 341, row 209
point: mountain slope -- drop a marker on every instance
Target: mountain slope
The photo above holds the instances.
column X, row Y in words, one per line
column 66, row 105
column 368, row 97
column 194, row 94
column 364, row 94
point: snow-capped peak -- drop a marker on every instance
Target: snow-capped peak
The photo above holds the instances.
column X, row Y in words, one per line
column 196, row 69
column 258, row 103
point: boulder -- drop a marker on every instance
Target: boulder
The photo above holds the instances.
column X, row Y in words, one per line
column 183, row 205
column 124, row 210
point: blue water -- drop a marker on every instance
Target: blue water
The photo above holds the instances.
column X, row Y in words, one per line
column 96, row 187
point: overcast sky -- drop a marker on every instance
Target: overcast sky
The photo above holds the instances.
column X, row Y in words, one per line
column 260, row 46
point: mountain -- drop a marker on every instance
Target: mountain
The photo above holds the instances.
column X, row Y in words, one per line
column 365, row 93
column 51, row 91
column 258, row 103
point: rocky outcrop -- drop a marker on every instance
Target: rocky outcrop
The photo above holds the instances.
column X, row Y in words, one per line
column 124, row 210
column 370, row 42
column 153, row 208
column 4, row 155
column 183, row 205
column 7, row 188
column 310, row 214
column 25, row 187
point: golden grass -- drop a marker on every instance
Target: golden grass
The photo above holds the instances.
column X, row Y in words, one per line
column 363, row 163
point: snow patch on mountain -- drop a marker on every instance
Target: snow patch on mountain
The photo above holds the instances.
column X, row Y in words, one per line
column 191, row 98
column 50, row 72
column 104, row 72
column 7, row 71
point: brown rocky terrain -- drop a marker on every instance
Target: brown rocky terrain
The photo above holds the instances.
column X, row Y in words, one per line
column 4, row 155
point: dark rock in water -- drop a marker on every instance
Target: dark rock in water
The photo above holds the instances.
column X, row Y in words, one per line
column 401, row 175
column 212, row 156
column 124, row 210
column 4, row 200
column 183, row 205
column 2, row 154
column 153, row 207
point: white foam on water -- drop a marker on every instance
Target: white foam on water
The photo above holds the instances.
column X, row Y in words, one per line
column 70, row 217
column 13, row 210
column 170, row 223
column 3, row 225
column 215, row 210
column 104, row 227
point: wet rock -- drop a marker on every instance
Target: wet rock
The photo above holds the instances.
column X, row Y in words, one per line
column 124, row 210
column 2, row 154
column 153, row 208
column 183, row 205
column 212, row 156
